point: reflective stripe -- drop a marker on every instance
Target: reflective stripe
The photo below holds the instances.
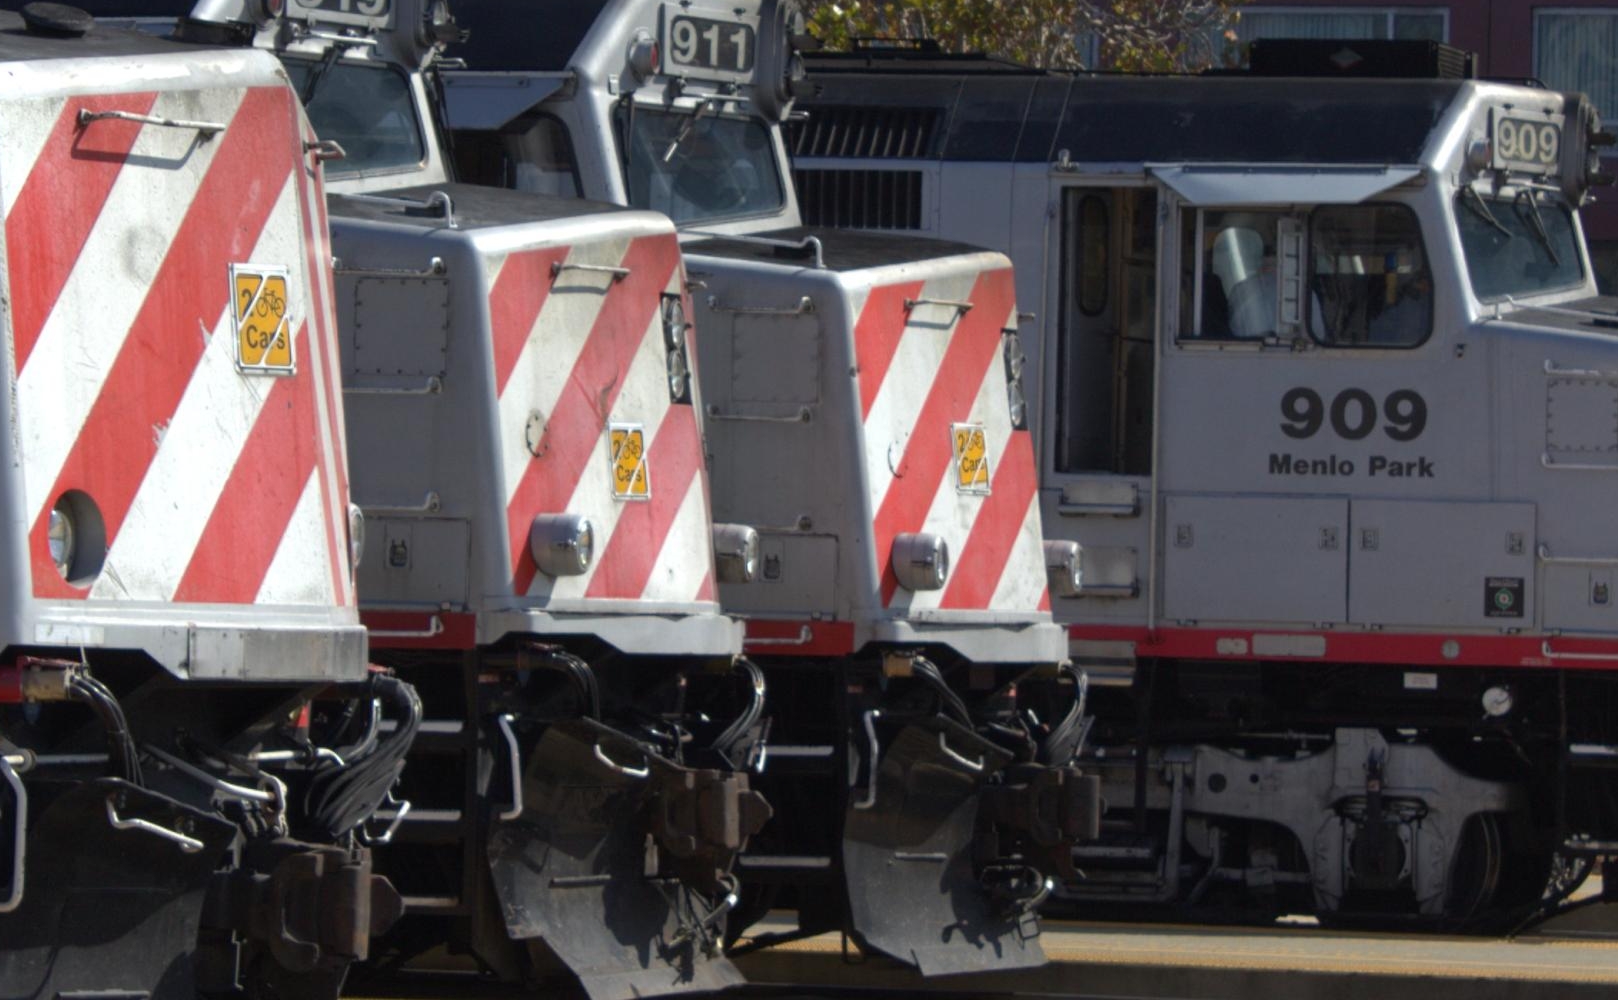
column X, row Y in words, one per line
column 927, row 456
column 877, row 334
column 575, row 428
column 57, row 208
column 129, row 390
column 254, row 509
column 625, row 566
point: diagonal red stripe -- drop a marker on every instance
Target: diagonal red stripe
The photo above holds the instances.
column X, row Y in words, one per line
column 514, row 304
column 877, row 334
column 573, row 435
column 928, row 454
column 317, row 257
column 57, row 207
column 255, row 508
column 983, row 560
column 190, row 292
column 626, row 565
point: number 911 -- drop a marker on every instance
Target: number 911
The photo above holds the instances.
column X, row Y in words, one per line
column 1353, row 414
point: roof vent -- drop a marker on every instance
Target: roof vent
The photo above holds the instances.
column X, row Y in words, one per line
column 57, row 19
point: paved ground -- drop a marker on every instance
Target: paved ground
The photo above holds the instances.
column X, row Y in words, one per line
column 1573, row 958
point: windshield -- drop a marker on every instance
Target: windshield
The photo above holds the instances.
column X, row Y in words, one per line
column 701, row 167
column 365, row 109
column 1521, row 245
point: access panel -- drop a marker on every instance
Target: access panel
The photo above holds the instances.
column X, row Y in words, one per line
column 1255, row 558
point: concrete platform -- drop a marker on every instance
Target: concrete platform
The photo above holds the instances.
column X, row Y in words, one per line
column 1243, row 963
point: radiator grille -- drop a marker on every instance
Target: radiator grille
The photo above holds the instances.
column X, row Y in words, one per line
column 860, row 199
column 866, row 133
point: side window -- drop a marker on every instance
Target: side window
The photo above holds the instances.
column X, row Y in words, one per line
column 1369, row 284
column 1230, row 260
column 534, row 154
column 1093, row 263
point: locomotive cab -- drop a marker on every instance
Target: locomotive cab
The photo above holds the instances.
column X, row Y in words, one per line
column 863, row 411
column 1312, row 368
column 540, row 553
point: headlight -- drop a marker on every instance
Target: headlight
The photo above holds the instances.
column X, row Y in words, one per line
column 62, row 537
column 356, row 537
column 562, row 544
column 77, row 537
column 921, row 561
column 1011, row 350
column 735, row 549
column 674, row 333
column 1063, row 568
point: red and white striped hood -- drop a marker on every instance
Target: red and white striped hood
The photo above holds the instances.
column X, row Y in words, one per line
column 928, row 371
column 529, row 371
column 578, row 340
column 217, row 485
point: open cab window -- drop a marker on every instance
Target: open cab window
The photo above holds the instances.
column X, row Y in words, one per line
column 698, row 166
column 366, row 109
column 1519, row 244
column 1348, row 275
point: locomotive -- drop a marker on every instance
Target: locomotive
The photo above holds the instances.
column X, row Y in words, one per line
column 540, row 556
column 193, row 751
column 1324, row 392
column 864, row 412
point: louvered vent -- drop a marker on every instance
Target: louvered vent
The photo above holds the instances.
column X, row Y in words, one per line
column 866, row 133
column 860, row 199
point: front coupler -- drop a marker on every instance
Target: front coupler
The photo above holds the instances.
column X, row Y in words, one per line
column 116, row 878
column 914, row 886
column 617, row 860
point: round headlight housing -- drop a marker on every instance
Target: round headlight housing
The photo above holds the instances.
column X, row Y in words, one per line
column 62, row 537
column 356, row 537
column 1064, row 568
column 921, row 561
column 562, row 544
column 76, row 537
column 735, row 549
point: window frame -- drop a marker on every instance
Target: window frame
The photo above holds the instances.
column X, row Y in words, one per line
column 1196, row 340
column 1388, row 11
column 1427, row 269
column 424, row 129
column 623, row 115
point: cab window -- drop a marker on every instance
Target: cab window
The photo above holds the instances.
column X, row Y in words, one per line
column 1230, row 260
column 366, row 109
column 1369, row 285
column 1359, row 278
column 533, row 154
column 699, row 167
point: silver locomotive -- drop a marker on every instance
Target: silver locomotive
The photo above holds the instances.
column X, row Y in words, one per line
column 1325, row 395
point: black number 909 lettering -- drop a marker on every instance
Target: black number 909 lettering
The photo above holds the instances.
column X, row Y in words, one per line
column 1353, row 414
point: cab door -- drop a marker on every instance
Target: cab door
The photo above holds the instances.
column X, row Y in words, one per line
column 1097, row 413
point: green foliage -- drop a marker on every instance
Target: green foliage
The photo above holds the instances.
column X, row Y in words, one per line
column 1133, row 35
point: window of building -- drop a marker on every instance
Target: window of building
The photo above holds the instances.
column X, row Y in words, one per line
column 1577, row 49
column 1343, row 22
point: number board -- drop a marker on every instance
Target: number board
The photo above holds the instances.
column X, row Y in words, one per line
column 345, row 11
column 708, row 47
column 1526, row 145
column 263, row 326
